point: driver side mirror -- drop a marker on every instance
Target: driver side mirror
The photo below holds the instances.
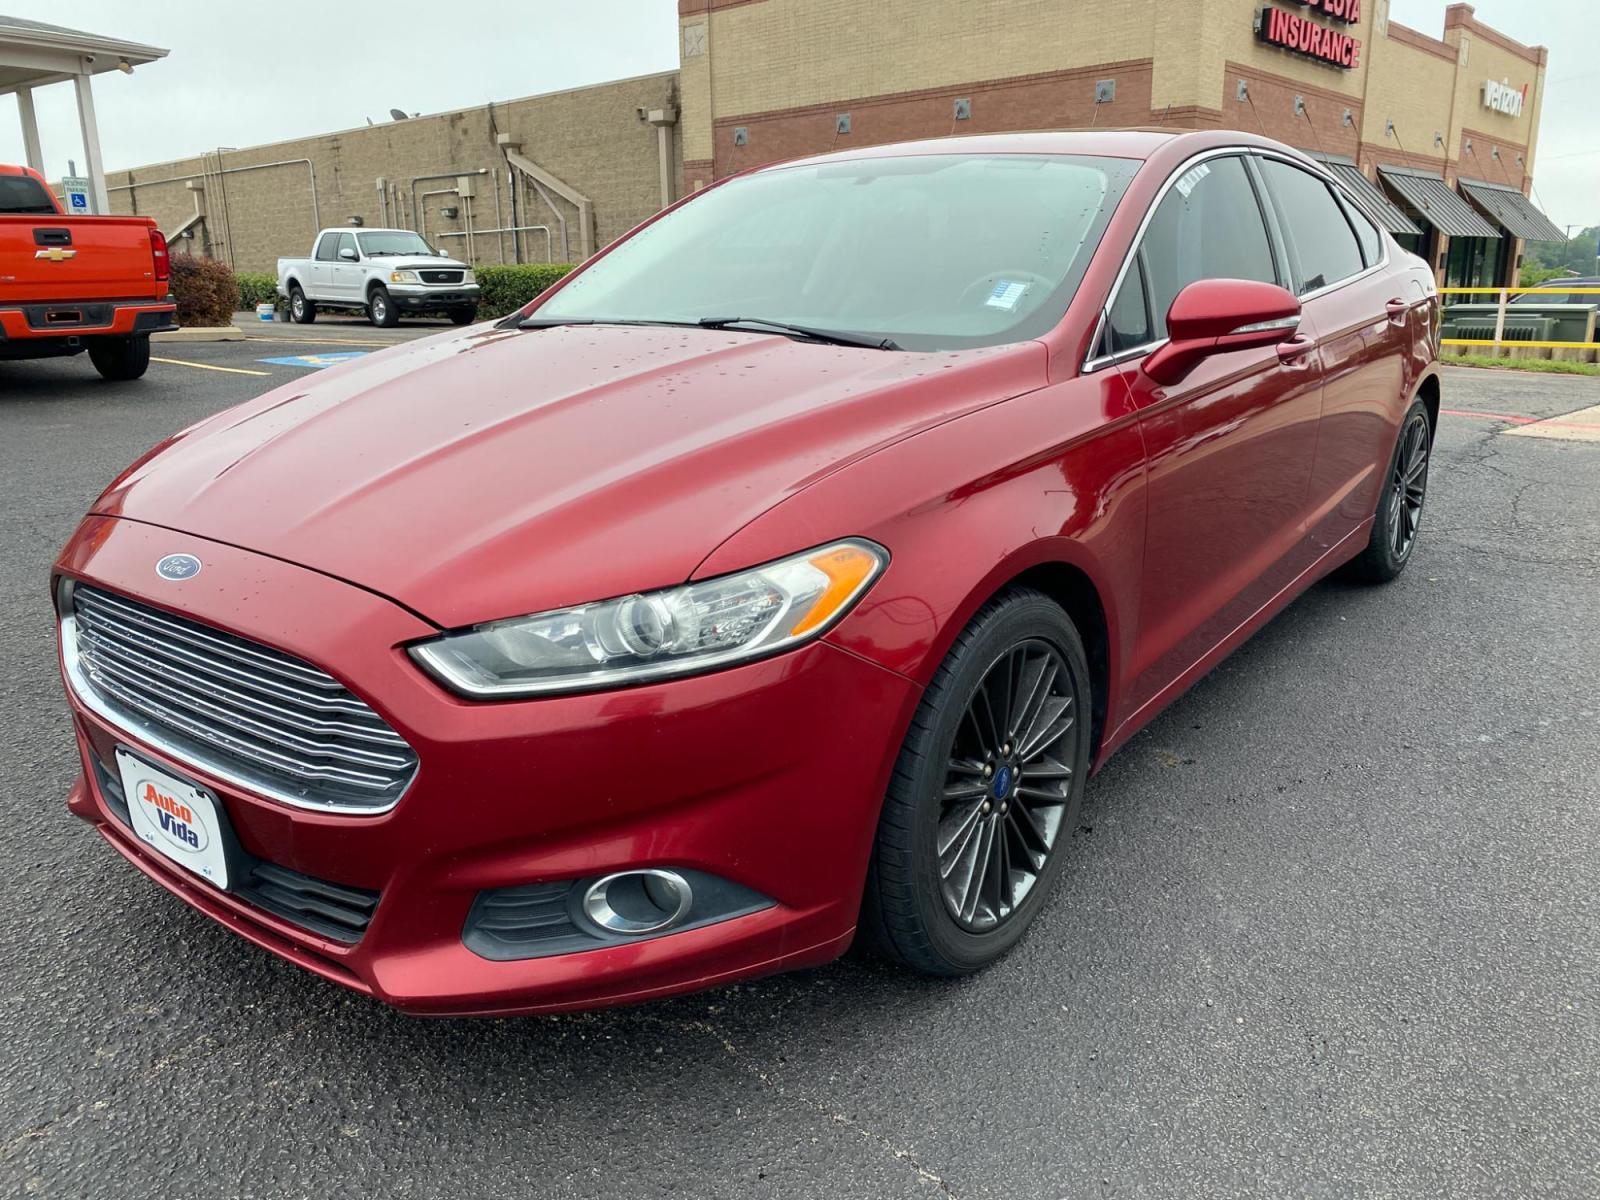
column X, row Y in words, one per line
column 1217, row 316
column 348, row 254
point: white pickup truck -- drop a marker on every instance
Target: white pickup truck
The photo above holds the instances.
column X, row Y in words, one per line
column 384, row 272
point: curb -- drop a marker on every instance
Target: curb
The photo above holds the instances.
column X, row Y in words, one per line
column 201, row 333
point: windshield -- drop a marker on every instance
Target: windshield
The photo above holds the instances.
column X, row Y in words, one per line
column 21, row 195
column 932, row 251
column 396, row 242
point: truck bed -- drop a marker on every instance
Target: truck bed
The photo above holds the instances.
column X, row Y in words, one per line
column 46, row 259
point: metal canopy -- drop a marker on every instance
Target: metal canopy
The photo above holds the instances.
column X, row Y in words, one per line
column 1442, row 208
column 33, row 54
column 1512, row 211
column 1365, row 193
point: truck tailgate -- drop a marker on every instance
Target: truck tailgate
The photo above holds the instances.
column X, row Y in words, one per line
column 76, row 259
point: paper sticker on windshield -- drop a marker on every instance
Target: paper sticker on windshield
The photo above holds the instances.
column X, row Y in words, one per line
column 1191, row 179
column 1006, row 294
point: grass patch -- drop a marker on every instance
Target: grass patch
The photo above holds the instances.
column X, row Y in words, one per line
column 1540, row 366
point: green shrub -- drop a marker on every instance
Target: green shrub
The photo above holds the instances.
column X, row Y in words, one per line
column 204, row 289
column 506, row 289
column 256, row 287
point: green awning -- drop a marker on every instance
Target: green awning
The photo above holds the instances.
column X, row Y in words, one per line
column 1512, row 211
column 1438, row 205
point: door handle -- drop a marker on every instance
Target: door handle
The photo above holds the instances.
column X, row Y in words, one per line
column 1296, row 352
column 1398, row 310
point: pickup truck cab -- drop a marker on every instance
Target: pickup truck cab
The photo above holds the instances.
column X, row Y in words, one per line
column 70, row 284
column 383, row 272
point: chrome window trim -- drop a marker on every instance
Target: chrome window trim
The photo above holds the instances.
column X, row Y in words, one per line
column 142, row 731
column 1095, row 362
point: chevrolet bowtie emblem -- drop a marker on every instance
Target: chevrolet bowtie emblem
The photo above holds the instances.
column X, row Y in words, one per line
column 55, row 254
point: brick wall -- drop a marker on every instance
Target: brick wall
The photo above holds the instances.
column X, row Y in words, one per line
column 590, row 138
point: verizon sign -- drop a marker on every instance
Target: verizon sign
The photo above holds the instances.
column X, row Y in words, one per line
column 1504, row 98
column 1301, row 35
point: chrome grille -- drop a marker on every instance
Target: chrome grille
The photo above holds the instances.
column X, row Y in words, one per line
column 248, row 713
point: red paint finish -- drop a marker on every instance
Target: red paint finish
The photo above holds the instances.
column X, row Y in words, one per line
column 482, row 475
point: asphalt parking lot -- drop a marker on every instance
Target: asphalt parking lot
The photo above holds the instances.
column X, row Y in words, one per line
column 1331, row 925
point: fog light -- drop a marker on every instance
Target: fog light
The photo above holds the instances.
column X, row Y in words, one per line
column 636, row 903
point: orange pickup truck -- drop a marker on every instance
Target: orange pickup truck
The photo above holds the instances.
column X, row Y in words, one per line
column 69, row 284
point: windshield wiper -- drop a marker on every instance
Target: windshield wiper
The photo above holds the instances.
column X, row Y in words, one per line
column 832, row 337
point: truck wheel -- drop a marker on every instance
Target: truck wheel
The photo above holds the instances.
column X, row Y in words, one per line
column 462, row 316
column 120, row 358
column 380, row 309
column 301, row 310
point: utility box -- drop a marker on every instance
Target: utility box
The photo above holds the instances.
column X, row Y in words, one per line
column 467, row 186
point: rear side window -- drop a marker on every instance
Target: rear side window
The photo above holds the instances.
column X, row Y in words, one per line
column 21, row 195
column 1367, row 234
column 1324, row 244
column 1208, row 226
column 328, row 247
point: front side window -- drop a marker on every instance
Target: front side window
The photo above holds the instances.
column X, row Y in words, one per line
column 1208, row 226
column 347, row 241
column 1129, row 325
column 939, row 251
column 1325, row 246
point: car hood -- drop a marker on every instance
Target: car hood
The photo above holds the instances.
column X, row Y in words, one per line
column 414, row 262
column 490, row 473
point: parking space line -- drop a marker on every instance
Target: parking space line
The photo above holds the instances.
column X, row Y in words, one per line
column 1586, row 427
column 179, row 362
column 323, row 341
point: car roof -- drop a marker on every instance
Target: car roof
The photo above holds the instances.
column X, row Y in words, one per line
column 1134, row 143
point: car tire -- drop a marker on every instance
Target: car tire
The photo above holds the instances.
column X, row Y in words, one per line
column 380, row 308
column 120, row 358
column 915, row 910
column 301, row 310
column 1399, row 514
column 463, row 316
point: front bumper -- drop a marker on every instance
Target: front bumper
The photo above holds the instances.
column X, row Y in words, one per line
column 768, row 775
column 411, row 297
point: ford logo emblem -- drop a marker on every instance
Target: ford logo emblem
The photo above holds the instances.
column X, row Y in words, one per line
column 178, row 566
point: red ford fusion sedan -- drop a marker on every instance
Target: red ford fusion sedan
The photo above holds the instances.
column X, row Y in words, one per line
column 777, row 580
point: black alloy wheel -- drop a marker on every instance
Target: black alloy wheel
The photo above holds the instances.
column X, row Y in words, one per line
column 1409, row 483
column 985, row 792
column 1399, row 514
column 1007, row 785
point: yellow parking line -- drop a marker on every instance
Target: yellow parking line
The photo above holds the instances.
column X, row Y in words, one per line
column 295, row 341
column 178, row 362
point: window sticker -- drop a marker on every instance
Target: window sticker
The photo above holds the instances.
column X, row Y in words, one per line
column 1191, row 179
column 1006, row 294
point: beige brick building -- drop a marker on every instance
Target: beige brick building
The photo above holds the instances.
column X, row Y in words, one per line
column 1440, row 132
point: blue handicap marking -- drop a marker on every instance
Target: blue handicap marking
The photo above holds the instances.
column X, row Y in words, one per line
column 79, row 200
column 316, row 360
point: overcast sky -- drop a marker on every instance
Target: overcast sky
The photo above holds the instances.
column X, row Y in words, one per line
column 240, row 74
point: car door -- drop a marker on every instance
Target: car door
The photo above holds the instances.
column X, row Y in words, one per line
column 1230, row 449
column 322, row 259
column 1366, row 318
column 348, row 273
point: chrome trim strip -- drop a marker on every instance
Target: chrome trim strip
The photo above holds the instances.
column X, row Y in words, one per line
column 1262, row 326
column 151, row 735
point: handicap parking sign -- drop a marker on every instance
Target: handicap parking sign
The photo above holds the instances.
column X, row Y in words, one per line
column 77, row 189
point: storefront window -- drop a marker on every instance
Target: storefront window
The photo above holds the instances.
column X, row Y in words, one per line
column 1475, row 262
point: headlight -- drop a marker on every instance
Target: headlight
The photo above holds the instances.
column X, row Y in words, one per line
column 697, row 627
column 403, row 277
column 468, row 277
